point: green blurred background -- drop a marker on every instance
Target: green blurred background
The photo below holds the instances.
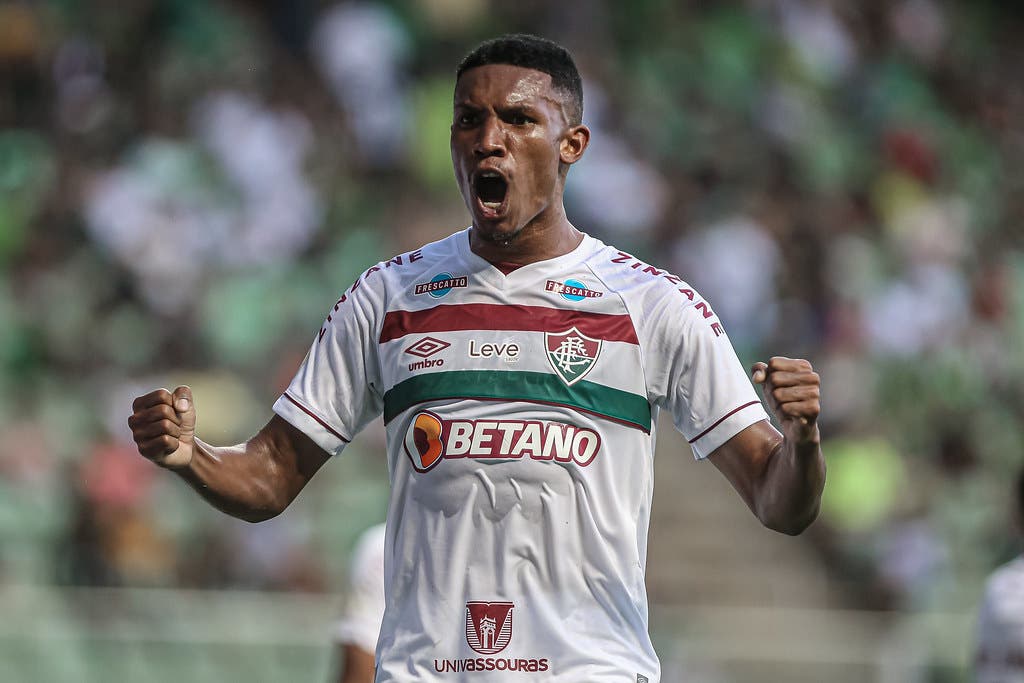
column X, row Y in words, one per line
column 186, row 187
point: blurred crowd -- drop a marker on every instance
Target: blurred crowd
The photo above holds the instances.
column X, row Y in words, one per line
column 185, row 187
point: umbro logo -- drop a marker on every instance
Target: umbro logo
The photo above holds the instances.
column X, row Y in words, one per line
column 425, row 348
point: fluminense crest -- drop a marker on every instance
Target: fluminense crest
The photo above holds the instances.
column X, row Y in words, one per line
column 571, row 354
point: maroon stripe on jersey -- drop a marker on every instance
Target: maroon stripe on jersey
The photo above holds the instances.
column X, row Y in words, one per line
column 722, row 419
column 309, row 412
column 461, row 317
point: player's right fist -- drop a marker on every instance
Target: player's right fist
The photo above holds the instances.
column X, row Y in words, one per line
column 163, row 425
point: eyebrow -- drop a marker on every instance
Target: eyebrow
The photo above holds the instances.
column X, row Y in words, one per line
column 519, row 107
column 513, row 106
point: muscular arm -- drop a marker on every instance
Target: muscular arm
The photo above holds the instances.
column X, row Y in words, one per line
column 780, row 476
column 254, row 480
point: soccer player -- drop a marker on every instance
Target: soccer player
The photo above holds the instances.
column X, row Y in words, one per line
column 520, row 365
column 999, row 653
column 364, row 608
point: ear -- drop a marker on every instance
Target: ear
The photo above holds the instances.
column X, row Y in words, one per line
column 574, row 143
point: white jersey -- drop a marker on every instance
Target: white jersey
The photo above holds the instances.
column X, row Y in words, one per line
column 364, row 604
column 520, row 412
column 999, row 657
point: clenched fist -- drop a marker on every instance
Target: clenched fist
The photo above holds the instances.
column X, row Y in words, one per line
column 164, row 426
column 792, row 390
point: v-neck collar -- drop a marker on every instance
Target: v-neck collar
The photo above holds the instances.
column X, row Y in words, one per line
column 491, row 271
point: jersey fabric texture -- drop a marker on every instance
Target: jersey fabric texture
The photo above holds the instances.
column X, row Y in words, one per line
column 364, row 604
column 520, row 413
column 999, row 657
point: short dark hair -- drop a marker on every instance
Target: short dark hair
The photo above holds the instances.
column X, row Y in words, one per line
column 532, row 52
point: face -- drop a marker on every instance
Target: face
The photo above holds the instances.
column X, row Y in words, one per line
column 510, row 139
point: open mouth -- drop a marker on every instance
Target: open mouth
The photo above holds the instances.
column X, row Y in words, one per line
column 491, row 190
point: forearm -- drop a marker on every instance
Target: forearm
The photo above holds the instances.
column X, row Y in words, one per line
column 790, row 494
column 242, row 481
column 253, row 481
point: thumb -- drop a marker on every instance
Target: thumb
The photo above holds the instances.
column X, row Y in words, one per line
column 759, row 372
column 186, row 411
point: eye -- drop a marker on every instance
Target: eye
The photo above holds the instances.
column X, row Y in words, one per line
column 465, row 119
column 519, row 119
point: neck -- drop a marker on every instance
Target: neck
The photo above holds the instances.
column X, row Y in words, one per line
column 544, row 237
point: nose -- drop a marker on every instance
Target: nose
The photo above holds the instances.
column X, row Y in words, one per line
column 490, row 139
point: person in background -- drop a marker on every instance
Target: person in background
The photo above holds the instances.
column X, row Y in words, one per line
column 999, row 651
column 357, row 630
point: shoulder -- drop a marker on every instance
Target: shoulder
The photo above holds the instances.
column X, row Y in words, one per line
column 405, row 267
column 628, row 275
column 646, row 287
column 404, row 270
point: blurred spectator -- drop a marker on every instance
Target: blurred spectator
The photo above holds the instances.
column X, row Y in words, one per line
column 248, row 205
column 113, row 539
column 361, row 49
column 734, row 264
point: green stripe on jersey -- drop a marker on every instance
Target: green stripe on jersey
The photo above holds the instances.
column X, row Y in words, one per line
column 537, row 387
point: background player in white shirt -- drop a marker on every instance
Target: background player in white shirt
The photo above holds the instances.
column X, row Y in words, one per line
column 999, row 652
column 520, row 415
column 357, row 630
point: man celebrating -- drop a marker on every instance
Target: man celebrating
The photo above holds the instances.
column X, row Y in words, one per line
column 520, row 365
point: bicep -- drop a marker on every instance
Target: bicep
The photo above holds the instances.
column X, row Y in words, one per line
column 293, row 456
column 743, row 459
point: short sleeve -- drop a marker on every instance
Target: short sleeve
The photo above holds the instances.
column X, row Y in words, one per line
column 693, row 372
column 336, row 391
column 364, row 604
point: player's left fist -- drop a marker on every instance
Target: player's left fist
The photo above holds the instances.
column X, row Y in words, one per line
column 792, row 390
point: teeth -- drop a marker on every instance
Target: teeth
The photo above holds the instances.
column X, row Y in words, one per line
column 490, row 174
